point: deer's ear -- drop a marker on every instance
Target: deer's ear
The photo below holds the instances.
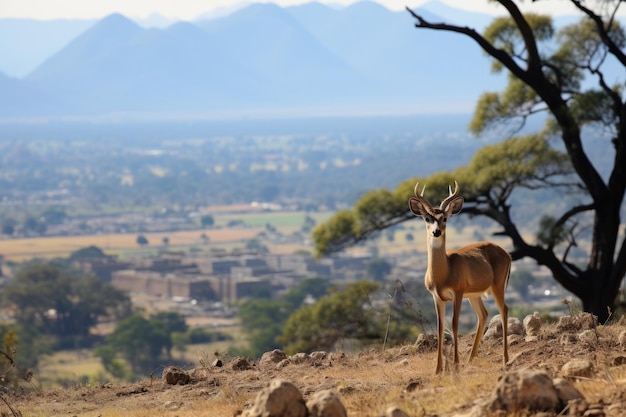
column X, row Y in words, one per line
column 417, row 206
column 454, row 206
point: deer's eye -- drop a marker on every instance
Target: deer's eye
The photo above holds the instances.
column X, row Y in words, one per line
column 445, row 219
column 428, row 219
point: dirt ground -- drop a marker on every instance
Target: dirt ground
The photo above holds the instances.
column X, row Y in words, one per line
column 367, row 382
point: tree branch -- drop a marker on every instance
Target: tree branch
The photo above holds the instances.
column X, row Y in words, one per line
column 604, row 35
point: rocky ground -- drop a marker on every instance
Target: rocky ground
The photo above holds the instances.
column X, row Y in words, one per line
column 573, row 367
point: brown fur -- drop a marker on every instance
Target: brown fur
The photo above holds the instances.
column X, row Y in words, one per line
column 468, row 272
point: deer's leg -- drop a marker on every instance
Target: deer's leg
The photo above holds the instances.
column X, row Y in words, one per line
column 458, row 299
column 440, row 309
column 504, row 313
column 481, row 314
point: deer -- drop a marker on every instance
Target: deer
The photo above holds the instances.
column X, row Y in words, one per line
column 470, row 272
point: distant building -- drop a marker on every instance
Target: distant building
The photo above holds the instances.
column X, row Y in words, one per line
column 223, row 277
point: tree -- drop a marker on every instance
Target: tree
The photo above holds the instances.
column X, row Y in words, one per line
column 378, row 269
column 56, row 302
column 140, row 341
column 171, row 323
column 142, row 240
column 207, row 221
column 8, row 226
column 263, row 320
column 36, row 225
column 564, row 76
column 341, row 315
column 88, row 252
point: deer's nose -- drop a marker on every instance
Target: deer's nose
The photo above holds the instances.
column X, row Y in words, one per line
column 437, row 232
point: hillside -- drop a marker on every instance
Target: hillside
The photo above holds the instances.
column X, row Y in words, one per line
column 368, row 383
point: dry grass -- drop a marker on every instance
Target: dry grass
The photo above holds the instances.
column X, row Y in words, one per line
column 368, row 383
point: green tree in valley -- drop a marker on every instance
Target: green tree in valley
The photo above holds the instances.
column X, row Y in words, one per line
column 207, row 221
column 141, row 342
column 263, row 320
column 378, row 269
column 566, row 76
column 57, row 302
column 342, row 315
column 89, row 252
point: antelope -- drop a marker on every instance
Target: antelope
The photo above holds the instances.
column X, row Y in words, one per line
column 468, row 272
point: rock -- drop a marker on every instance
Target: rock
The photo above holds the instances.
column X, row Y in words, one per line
column 568, row 339
column 337, row 356
column 200, row 373
column 426, row 343
column 272, row 357
column 283, row 364
column 619, row 361
column 395, row 412
column 566, row 391
column 413, row 385
column 325, row 403
column 280, row 399
column 299, row 358
column 622, row 339
column 494, row 329
column 532, row 325
column 589, row 338
column 240, row 363
column 174, row 375
column 579, row 322
column 318, row 356
column 577, row 368
column 532, row 390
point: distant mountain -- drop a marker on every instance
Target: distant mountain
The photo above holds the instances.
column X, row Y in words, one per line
column 260, row 59
column 26, row 43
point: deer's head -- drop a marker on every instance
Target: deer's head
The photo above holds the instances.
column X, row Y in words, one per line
column 436, row 217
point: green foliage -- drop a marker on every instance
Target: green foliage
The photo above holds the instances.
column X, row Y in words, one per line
column 19, row 353
column 523, row 161
column 505, row 35
column 378, row 269
column 526, row 161
column 112, row 364
column 56, row 302
column 207, row 221
column 337, row 231
column 35, row 224
column 263, row 320
column 550, row 234
column 256, row 245
column 142, row 342
column 309, row 224
column 142, row 240
column 89, row 252
column 197, row 335
column 494, row 108
column 581, row 48
column 8, row 226
column 345, row 314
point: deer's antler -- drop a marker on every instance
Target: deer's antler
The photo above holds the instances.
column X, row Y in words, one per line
column 451, row 197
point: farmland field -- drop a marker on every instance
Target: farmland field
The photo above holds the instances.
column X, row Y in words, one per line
column 221, row 236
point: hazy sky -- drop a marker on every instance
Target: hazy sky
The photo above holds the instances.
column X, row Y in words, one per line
column 189, row 9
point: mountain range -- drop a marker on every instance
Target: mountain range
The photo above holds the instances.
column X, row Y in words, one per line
column 259, row 60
